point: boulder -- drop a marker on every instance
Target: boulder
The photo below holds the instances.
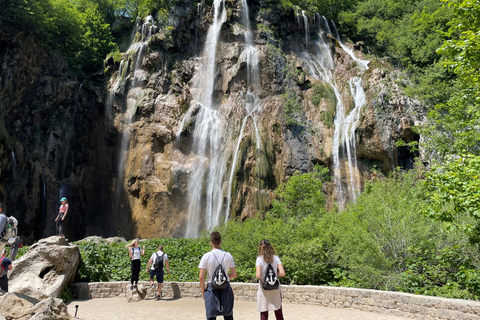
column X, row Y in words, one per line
column 46, row 269
column 139, row 293
column 16, row 306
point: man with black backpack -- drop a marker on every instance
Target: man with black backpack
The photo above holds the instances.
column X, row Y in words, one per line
column 218, row 295
column 159, row 260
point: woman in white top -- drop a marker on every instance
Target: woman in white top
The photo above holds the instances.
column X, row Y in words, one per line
column 134, row 253
column 268, row 299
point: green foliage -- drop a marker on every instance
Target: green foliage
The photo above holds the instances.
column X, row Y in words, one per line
column 447, row 271
column 298, row 243
column 453, row 194
column 103, row 261
column 66, row 295
column 75, row 29
column 293, row 109
column 301, row 195
column 454, row 124
column 409, row 33
column 373, row 234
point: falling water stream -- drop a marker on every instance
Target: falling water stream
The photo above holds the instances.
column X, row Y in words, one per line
column 252, row 102
column 206, row 178
column 321, row 66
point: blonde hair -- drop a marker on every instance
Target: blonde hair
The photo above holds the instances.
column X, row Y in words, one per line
column 132, row 244
column 266, row 250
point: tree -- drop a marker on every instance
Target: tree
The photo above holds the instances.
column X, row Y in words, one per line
column 301, row 195
column 454, row 125
column 453, row 194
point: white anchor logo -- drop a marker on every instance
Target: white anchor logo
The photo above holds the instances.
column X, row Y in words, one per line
column 271, row 278
column 219, row 280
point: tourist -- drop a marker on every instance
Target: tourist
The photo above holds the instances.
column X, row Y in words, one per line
column 62, row 213
column 3, row 222
column 4, row 237
column 208, row 264
column 5, row 266
column 158, row 260
column 135, row 253
column 8, row 233
column 268, row 299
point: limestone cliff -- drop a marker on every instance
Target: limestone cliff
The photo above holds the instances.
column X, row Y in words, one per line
column 54, row 142
column 129, row 156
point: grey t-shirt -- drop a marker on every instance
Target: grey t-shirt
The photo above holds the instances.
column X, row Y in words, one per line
column 3, row 222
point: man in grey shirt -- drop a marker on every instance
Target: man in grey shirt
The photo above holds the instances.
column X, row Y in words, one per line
column 3, row 220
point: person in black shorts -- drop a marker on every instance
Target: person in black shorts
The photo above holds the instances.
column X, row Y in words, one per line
column 157, row 272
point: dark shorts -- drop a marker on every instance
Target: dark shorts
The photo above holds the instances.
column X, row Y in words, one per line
column 158, row 274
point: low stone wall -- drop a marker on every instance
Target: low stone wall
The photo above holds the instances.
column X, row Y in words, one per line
column 383, row 302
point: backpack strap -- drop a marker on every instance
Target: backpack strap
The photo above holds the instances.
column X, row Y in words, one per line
column 156, row 253
column 217, row 258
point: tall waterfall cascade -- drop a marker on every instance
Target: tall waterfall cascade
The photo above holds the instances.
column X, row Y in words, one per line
column 131, row 75
column 206, row 179
column 319, row 61
column 252, row 102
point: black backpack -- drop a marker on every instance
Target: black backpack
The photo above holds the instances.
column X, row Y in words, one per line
column 158, row 264
column 219, row 277
column 270, row 282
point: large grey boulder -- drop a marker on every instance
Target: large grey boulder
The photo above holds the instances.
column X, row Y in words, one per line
column 46, row 269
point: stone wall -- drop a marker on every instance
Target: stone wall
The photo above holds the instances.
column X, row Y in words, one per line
column 383, row 302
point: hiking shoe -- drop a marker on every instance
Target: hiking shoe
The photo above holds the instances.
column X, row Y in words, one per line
column 135, row 287
column 131, row 287
column 158, row 297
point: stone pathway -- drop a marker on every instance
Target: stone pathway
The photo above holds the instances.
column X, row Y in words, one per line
column 193, row 309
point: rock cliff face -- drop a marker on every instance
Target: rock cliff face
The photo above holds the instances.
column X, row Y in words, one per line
column 54, row 141
column 134, row 159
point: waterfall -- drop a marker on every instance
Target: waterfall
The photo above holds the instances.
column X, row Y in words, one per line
column 252, row 102
column 206, row 178
column 362, row 63
column 322, row 67
column 44, row 202
column 305, row 24
column 14, row 165
column 130, row 70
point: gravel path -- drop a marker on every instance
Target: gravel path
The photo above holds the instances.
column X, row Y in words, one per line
column 193, row 309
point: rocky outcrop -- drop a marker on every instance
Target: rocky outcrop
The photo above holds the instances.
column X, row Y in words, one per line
column 46, row 269
column 37, row 280
column 15, row 306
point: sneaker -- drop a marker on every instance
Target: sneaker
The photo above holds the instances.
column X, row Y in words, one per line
column 135, row 287
column 158, row 297
column 152, row 286
column 131, row 287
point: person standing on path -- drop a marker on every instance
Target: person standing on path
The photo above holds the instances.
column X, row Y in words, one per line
column 217, row 302
column 158, row 260
column 5, row 266
column 268, row 299
column 62, row 214
column 135, row 254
